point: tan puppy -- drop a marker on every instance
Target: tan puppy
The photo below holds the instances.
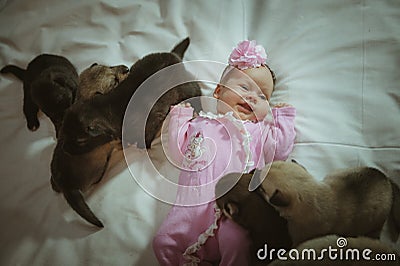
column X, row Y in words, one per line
column 333, row 250
column 355, row 202
column 100, row 79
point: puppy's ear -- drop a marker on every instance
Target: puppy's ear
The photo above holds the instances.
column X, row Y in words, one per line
column 257, row 178
column 279, row 199
column 231, row 210
column 181, row 48
column 294, row 161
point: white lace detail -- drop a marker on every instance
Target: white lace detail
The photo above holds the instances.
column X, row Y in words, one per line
column 239, row 124
column 191, row 250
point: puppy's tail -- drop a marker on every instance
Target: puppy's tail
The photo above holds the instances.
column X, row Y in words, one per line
column 75, row 199
column 16, row 71
column 181, row 48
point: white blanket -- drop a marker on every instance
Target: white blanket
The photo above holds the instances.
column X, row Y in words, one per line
column 336, row 61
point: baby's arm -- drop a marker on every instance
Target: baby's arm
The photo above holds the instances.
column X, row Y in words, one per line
column 177, row 127
column 283, row 131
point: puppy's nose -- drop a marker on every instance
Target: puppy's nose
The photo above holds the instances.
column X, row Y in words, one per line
column 125, row 69
column 122, row 69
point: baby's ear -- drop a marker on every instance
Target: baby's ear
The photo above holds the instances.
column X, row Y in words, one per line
column 279, row 199
column 217, row 91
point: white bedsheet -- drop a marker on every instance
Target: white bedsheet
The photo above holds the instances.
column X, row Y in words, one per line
column 337, row 62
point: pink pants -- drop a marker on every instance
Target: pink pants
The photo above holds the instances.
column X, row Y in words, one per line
column 229, row 246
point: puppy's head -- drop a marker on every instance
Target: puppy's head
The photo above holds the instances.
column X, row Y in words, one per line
column 100, row 79
column 251, row 211
column 286, row 185
column 152, row 63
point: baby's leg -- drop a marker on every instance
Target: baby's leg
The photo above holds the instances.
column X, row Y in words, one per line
column 234, row 244
column 167, row 250
column 173, row 236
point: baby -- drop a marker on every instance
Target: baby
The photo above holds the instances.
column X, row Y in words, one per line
column 239, row 138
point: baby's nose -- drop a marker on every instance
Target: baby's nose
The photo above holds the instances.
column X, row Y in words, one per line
column 251, row 98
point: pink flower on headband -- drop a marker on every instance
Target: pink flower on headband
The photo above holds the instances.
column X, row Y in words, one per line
column 247, row 54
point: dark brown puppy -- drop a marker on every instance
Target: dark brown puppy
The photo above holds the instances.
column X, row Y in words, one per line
column 91, row 123
column 249, row 209
column 50, row 83
column 86, row 169
column 74, row 174
column 92, row 130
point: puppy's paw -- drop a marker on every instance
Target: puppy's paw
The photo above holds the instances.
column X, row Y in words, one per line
column 33, row 124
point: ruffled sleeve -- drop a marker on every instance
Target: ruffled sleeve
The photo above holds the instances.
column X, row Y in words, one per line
column 283, row 131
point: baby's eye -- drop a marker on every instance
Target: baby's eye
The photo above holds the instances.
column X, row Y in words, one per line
column 243, row 87
column 262, row 96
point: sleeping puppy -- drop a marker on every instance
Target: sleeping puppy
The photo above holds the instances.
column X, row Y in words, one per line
column 248, row 209
column 100, row 79
column 354, row 202
column 91, row 131
column 49, row 83
column 351, row 248
column 99, row 120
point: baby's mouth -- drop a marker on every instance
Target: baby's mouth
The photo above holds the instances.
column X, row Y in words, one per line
column 245, row 107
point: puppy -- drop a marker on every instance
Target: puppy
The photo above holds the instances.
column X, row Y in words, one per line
column 249, row 210
column 98, row 120
column 49, row 83
column 91, row 131
column 74, row 174
column 316, row 252
column 100, row 79
column 86, row 169
column 354, row 202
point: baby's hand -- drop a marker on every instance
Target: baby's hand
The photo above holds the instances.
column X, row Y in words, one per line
column 280, row 105
column 183, row 104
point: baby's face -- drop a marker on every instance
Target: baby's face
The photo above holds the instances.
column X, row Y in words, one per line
column 246, row 93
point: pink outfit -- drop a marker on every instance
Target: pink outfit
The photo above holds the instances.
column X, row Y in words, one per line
column 206, row 148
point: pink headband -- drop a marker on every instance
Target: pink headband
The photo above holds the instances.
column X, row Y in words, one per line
column 247, row 54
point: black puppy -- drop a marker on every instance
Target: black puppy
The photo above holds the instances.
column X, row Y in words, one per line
column 99, row 120
column 50, row 83
column 91, row 130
